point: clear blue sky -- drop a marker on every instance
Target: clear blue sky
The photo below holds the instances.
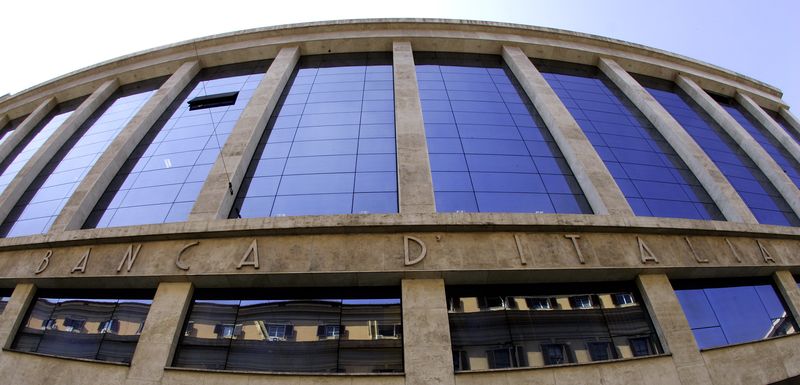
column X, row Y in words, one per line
column 761, row 39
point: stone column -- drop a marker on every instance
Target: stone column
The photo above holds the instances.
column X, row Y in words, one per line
column 14, row 314
column 673, row 328
column 42, row 156
column 161, row 333
column 427, row 353
column 91, row 188
column 787, row 286
column 794, row 123
column 770, row 124
column 760, row 157
column 595, row 180
column 217, row 196
column 26, row 127
column 414, row 181
column 712, row 179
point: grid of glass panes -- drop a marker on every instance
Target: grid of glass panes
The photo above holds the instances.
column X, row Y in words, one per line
column 768, row 142
column 792, row 131
column 49, row 192
column 329, row 148
column 496, row 327
column 761, row 197
column 163, row 177
column 90, row 328
column 353, row 335
column 28, row 147
column 721, row 314
column 653, row 178
column 489, row 150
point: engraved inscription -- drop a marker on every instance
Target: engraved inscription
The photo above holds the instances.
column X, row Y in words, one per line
column 180, row 264
column 645, row 253
column 574, row 238
column 42, row 266
column 80, row 267
column 521, row 254
column 129, row 257
column 694, row 253
column 764, row 253
column 424, row 250
column 733, row 250
column 246, row 260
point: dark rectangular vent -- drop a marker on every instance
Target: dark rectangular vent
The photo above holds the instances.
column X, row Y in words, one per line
column 216, row 100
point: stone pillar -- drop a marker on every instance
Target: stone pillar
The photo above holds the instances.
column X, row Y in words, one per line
column 14, row 314
column 161, row 333
column 42, row 156
column 3, row 121
column 427, row 353
column 770, row 124
column 595, row 180
column 414, row 181
column 91, row 188
column 26, row 127
column 760, row 157
column 794, row 123
column 787, row 286
column 673, row 328
column 217, row 196
column 712, row 179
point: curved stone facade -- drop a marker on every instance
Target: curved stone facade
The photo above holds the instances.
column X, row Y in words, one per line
column 481, row 157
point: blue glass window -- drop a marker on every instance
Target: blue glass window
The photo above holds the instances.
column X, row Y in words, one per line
column 329, row 148
column 763, row 137
column 49, row 192
column 793, row 132
column 650, row 174
column 162, row 178
column 725, row 313
column 489, row 150
column 25, row 150
column 752, row 185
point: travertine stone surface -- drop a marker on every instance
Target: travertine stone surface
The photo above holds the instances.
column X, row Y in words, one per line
column 88, row 192
column 26, row 127
column 762, row 159
column 794, row 123
column 761, row 362
column 790, row 293
column 414, row 182
column 49, row 148
column 717, row 186
column 3, row 120
column 770, row 124
column 161, row 332
column 427, row 353
column 14, row 314
column 595, row 180
column 673, row 328
column 216, row 198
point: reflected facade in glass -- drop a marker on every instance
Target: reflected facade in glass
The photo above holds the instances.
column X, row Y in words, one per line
column 764, row 201
column 329, row 148
column 359, row 334
column 49, row 192
column 489, row 150
column 726, row 313
column 25, row 150
column 768, row 142
column 162, row 178
column 653, row 178
column 103, row 329
column 496, row 327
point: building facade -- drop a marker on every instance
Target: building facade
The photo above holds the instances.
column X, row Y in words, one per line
column 400, row 202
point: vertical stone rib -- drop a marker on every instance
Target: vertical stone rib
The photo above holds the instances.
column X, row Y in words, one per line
column 216, row 199
column 770, row 124
column 14, row 314
column 598, row 185
column 26, row 127
column 712, row 179
column 427, row 351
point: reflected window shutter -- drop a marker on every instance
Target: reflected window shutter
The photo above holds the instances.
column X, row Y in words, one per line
column 289, row 331
column 321, row 331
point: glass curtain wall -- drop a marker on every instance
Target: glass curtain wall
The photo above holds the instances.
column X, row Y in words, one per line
column 792, row 131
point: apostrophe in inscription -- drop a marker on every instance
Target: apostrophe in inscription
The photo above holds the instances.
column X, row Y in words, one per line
column 251, row 251
column 520, row 252
column 645, row 253
column 42, row 266
column 178, row 261
column 694, row 253
column 764, row 253
column 574, row 238
column 733, row 250
column 130, row 257
column 80, row 267
column 406, row 247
